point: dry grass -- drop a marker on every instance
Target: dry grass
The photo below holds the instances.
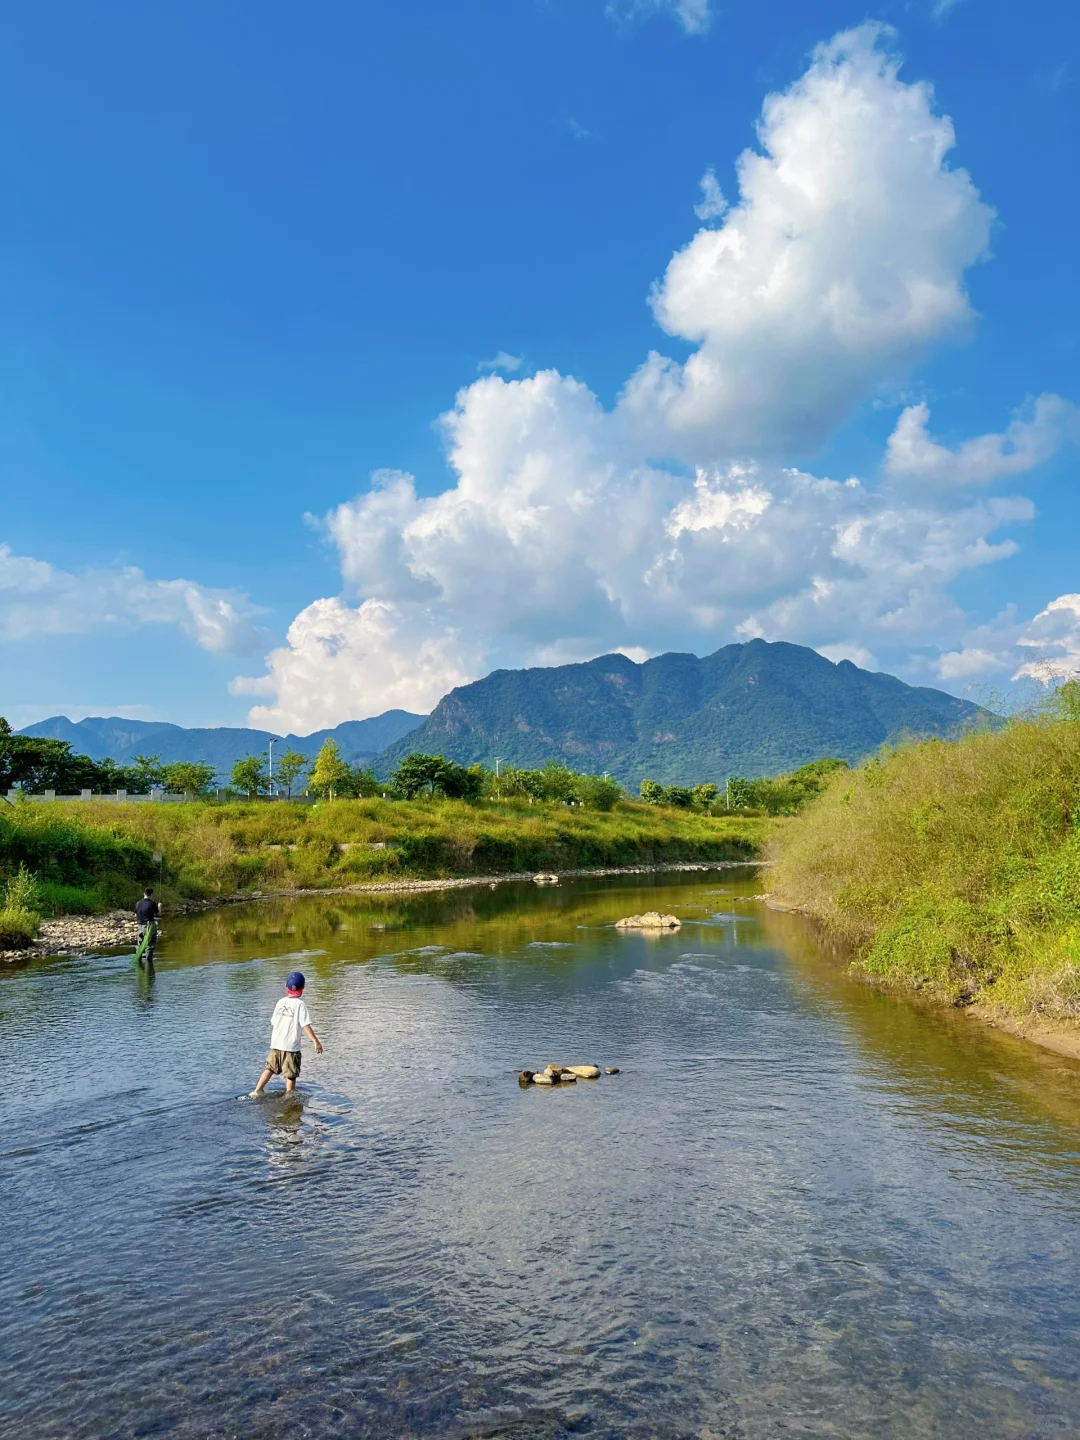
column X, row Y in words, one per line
column 954, row 868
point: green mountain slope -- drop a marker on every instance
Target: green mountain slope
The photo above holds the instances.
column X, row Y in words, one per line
column 752, row 709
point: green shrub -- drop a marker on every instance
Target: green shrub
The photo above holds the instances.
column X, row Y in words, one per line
column 954, row 867
column 17, row 928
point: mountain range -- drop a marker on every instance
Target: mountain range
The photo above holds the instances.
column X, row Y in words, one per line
column 751, row 709
column 359, row 741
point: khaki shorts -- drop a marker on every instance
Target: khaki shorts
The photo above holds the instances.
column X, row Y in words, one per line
column 284, row 1062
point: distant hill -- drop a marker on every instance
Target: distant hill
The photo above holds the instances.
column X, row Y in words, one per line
column 121, row 740
column 752, row 709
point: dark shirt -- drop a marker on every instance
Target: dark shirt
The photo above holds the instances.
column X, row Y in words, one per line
column 146, row 910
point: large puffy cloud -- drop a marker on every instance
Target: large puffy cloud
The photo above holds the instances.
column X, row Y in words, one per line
column 843, row 260
column 38, row 599
column 342, row 662
column 571, row 529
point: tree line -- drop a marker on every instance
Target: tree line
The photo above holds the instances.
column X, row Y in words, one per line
column 35, row 764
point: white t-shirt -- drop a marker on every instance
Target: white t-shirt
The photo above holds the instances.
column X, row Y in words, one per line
column 287, row 1022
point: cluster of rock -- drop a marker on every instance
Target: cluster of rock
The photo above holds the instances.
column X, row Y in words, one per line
column 545, row 879
column 563, row 1074
column 79, row 935
column 651, row 920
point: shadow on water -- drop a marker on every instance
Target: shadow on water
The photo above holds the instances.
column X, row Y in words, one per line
column 803, row 1207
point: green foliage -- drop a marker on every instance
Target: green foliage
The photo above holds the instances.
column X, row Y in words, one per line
column 249, row 775
column 329, row 772
column 290, row 767
column 17, row 928
column 148, row 773
column 185, row 777
column 22, row 890
column 679, row 797
column 433, row 775
column 784, row 795
column 954, row 868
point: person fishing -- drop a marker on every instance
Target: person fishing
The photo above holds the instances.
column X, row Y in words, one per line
column 147, row 911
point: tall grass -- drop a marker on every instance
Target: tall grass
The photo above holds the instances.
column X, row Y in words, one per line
column 954, row 868
column 20, row 907
column 95, row 851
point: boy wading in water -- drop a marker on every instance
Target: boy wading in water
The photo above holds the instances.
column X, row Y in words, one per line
column 291, row 1019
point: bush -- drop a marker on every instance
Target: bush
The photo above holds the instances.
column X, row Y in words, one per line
column 954, row 867
column 17, row 928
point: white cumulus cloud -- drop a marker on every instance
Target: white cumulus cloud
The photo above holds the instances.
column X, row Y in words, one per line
column 842, row 261
column 38, row 599
column 571, row 529
column 1030, row 440
column 341, row 662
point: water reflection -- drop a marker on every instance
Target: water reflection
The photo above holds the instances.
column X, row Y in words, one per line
column 802, row 1207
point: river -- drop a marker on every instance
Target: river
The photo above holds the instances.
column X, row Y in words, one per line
column 803, row 1207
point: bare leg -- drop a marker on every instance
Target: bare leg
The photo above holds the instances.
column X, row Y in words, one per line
column 263, row 1079
column 290, row 1086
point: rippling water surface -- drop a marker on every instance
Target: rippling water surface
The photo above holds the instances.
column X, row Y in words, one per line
column 803, row 1207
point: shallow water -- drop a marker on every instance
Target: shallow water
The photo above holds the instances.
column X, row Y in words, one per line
column 803, row 1207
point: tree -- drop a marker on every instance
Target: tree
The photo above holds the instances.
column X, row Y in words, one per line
column 681, row 796
column 652, row 793
column 329, row 772
column 148, row 772
column 460, row 783
column 249, row 775
column 598, row 792
column 739, row 793
column 187, row 777
column 418, row 773
column 705, row 795
column 290, row 767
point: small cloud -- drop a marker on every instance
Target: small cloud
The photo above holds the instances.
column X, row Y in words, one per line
column 942, row 8
column 712, row 204
column 577, row 130
column 694, row 16
column 849, row 650
column 502, row 360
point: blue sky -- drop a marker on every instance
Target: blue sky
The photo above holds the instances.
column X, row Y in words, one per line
column 251, row 255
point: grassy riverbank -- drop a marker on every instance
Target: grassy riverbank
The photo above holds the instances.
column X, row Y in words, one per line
column 93, row 856
column 954, row 869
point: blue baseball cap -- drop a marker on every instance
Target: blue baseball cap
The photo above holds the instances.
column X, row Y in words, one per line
column 295, row 981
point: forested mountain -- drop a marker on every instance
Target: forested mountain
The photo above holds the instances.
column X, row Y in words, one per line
column 121, row 740
column 751, row 709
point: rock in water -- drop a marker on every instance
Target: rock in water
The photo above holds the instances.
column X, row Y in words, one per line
column 525, row 1078
column 651, row 920
column 542, row 1079
column 543, row 879
column 611, row 1070
column 585, row 1072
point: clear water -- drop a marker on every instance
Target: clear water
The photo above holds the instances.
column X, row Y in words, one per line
column 803, row 1207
